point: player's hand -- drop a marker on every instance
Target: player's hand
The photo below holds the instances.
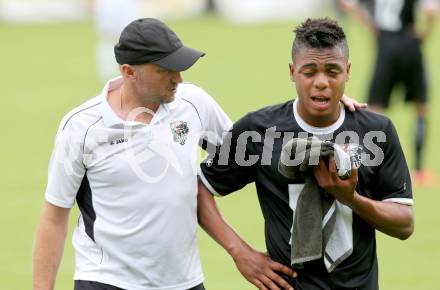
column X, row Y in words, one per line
column 259, row 269
column 327, row 177
column 352, row 104
column 347, row 5
column 431, row 9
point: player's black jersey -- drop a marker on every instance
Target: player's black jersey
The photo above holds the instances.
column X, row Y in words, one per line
column 254, row 152
column 392, row 15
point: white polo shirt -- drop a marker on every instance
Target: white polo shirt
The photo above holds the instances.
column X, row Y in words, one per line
column 136, row 187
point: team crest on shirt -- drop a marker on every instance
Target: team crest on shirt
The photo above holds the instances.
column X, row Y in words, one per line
column 180, row 131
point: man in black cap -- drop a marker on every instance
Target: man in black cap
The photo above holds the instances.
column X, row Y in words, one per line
column 128, row 158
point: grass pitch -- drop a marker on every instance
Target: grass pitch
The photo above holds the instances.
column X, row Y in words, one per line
column 49, row 69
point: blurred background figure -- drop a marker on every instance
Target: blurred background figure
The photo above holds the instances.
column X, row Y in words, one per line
column 257, row 11
column 399, row 60
column 210, row 6
column 111, row 16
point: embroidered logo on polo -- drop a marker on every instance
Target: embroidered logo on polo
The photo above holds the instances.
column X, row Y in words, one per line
column 180, row 131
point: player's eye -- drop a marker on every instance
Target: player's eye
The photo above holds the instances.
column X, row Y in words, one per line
column 308, row 73
column 333, row 73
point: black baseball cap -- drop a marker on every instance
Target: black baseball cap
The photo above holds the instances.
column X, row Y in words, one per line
column 149, row 40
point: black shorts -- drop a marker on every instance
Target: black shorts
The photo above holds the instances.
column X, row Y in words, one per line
column 399, row 61
column 91, row 285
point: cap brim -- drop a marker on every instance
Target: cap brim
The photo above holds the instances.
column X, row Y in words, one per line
column 180, row 60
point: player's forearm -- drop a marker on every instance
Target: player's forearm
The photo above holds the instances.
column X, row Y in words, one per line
column 256, row 267
column 430, row 22
column 361, row 14
column 390, row 218
column 48, row 250
column 431, row 11
column 211, row 220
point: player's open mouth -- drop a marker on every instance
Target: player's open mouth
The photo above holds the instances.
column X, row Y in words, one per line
column 320, row 100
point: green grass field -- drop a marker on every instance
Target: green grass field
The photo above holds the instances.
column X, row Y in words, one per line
column 49, row 69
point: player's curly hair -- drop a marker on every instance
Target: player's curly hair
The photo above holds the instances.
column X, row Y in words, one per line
column 319, row 33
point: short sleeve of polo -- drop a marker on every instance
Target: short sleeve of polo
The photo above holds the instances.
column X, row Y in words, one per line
column 223, row 174
column 214, row 120
column 392, row 178
column 66, row 168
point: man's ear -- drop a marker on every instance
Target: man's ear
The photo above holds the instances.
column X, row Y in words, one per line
column 348, row 71
column 128, row 72
column 292, row 72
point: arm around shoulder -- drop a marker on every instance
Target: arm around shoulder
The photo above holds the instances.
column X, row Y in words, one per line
column 49, row 245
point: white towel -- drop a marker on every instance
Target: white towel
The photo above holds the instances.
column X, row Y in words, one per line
column 319, row 221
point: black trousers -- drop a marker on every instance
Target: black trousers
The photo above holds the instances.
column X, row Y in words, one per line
column 91, row 285
column 399, row 60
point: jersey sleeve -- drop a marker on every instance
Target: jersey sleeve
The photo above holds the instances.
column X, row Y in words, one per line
column 223, row 173
column 66, row 167
column 392, row 178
